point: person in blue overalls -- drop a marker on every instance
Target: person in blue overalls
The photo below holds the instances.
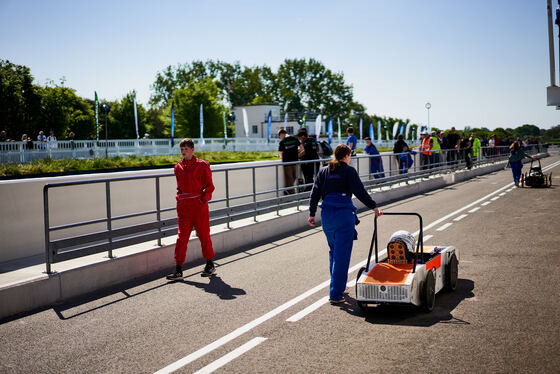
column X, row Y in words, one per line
column 335, row 184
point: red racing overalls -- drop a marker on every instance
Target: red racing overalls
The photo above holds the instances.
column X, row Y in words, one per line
column 194, row 190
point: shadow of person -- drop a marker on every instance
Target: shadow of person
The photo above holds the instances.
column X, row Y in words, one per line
column 410, row 315
column 217, row 286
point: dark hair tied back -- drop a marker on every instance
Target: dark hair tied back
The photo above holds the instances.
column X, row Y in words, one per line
column 340, row 153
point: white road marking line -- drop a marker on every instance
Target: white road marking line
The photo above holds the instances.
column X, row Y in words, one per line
column 231, row 356
column 485, row 203
column 503, row 193
column 460, row 217
column 444, row 226
column 428, row 237
column 495, row 198
column 316, row 305
column 249, row 326
column 474, row 209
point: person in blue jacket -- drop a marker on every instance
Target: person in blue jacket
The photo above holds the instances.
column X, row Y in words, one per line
column 405, row 159
column 335, row 184
column 376, row 164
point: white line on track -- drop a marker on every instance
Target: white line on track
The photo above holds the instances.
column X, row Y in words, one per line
column 495, row 198
column 503, row 193
column 485, row 203
column 474, row 209
column 231, row 356
column 428, row 237
column 460, row 217
column 443, row 227
column 249, row 326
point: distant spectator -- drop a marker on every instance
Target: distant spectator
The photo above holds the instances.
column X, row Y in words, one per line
column 465, row 150
column 475, row 144
column 376, row 164
column 452, row 145
column 51, row 137
column 398, row 148
column 405, row 159
column 146, row 136
column 425, row 151
column 442, row 140
column 41, row 137
column 351, row 142
column 27, row 142
column 3, row 136
column 71, row 138
column 288, row 152
column 90, row 137
column 309, row 150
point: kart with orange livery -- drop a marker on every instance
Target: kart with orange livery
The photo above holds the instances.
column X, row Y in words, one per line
column 410, row 274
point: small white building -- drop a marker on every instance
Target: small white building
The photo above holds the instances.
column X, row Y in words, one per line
column 257, row 118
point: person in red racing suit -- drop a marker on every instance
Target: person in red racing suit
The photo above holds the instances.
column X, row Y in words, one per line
column 194, row 190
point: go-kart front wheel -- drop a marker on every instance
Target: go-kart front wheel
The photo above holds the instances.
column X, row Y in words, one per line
column 452, row 273
column 361, row 304
column 429, row 292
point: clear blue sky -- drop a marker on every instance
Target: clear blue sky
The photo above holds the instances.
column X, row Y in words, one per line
column 478, row 62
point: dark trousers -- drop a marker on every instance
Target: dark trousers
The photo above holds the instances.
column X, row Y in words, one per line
column 289, row 178
column 308, row 171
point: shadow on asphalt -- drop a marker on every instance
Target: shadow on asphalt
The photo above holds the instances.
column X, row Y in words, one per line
column 409, row 315
column 217, row 286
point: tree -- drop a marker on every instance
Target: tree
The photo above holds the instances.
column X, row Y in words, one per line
column 62, row 111
column 187, row 109
column 307, row 85
column 157, row 124
column 20, row 103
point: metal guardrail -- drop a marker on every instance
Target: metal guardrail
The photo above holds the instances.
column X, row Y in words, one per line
column 21, row 152
column 261, row 202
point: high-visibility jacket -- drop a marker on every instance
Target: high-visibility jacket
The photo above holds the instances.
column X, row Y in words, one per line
column 425, row 147
column 435, row 145
column 475, row 145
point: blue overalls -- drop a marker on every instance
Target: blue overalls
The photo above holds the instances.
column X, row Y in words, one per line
column 338, row 220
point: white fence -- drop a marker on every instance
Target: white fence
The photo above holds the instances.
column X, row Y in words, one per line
column 20, row 152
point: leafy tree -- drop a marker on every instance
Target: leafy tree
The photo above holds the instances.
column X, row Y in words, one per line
column 157, row 125
column 20, row 103
column 62, row 111
column 187, row 109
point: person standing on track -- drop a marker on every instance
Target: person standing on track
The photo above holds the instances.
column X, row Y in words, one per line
column 335, row 184
column 194, row 190
column 515, row 160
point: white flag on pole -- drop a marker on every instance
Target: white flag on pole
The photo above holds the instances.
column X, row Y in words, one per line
column 136, row 117
column 245, row 123
column 318, row 126
column 201, row 125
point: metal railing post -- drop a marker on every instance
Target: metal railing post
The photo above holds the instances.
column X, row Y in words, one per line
column 254, row 195
column 109, row 226
column 227, row 200
column 277, row 192
column 158, row 210
column 48, row 257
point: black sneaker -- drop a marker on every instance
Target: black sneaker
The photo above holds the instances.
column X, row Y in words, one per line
column 176, row 275
column 209, row 269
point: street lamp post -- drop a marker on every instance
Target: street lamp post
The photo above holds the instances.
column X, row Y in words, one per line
column 106, row 108
column 428, row 106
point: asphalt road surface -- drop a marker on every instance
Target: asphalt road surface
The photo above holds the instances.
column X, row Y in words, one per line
column 265, row 311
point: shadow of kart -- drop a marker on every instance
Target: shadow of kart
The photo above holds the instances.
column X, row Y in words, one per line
column 409, row 315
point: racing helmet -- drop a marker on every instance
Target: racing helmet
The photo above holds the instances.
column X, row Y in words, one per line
column 401, row 247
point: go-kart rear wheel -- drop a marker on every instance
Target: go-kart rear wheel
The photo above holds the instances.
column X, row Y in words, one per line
column 549, row 179
column 361, row 304
column 522, row 180
column 429, row 292
column 452, row 273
